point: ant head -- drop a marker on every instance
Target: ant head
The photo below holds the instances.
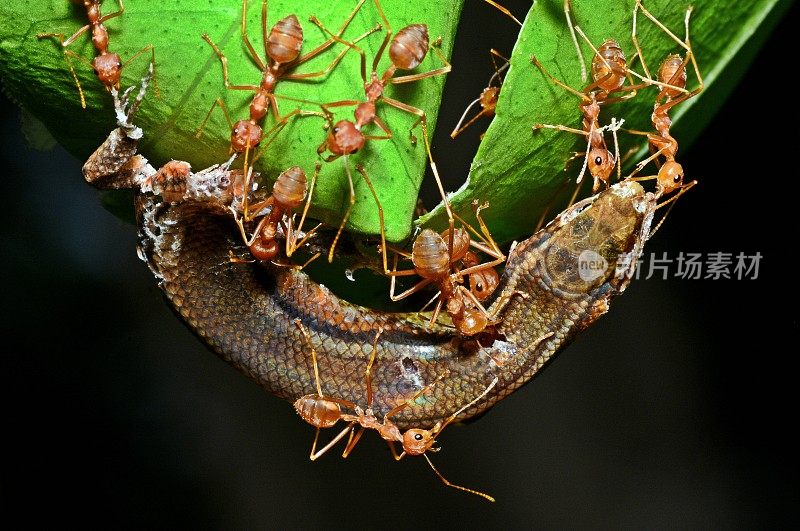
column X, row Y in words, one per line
column 290, row 188
column 670, row 177
column 472, row 322
column 108, row 68
column 672, row 72
column 285, row 40
column 409, row 46
column 601, row 163
column 344, row 138
column 429, row 255
column 483, row 283
column 609, row 66
column 245, row 135
column 417, row 441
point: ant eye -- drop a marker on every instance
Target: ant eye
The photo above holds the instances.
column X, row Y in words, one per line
column 678, row 178
column 335, row 130
column 598, row 160
column 418, row 436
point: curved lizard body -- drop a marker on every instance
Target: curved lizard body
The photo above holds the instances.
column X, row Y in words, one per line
column 555, row 284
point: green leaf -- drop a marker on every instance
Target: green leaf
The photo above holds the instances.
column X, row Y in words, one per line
column 521, row 172
column 189, row 76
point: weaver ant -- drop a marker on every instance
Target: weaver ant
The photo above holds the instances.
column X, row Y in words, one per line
column 322, row 411
column 609, row 71
column 487, row 99
column 671, row 73
column 407, row 50
column 447, row 267
column 106, row 65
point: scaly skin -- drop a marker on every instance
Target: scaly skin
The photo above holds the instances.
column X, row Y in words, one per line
column 246, row 312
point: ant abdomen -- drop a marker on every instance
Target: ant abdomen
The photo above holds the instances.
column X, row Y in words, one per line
column 461, row 242
column 672, row 72
column 318, row 411
column 610, row 55
column 285, row 40
column 409, row 46
column 290, row 188
column 429, row 255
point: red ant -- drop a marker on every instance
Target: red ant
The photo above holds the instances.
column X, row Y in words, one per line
column 107, row 65
column 324, row 412
column 407, row 50
column 671, row 73
column 487, row 99
column 281, row 53
column 609, row 72
column 446, row 267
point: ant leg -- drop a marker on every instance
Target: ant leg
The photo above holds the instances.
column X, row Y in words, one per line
column 360, row 169
column 349, row 44
column 253, row 54
column 272, row 133
column 380, row 123
column 503, row 10
column 352, row 201
column 410, row 291
column 60, row 36
column 333, row 64
column 563, row 128
column 386, row 37
column 355, row 436
column 217, row 103
column 557, row 81
column 295, row 245
column 224, row 61
column 567, row 8
column 152, row 49
column 316, row 455
column 635, row 39
column 117, row 13
column 423, row 122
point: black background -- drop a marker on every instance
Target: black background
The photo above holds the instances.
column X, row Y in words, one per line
column 672, row 411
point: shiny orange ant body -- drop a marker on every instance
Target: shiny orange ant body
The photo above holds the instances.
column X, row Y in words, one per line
column 325, row 412
column 106, row 65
